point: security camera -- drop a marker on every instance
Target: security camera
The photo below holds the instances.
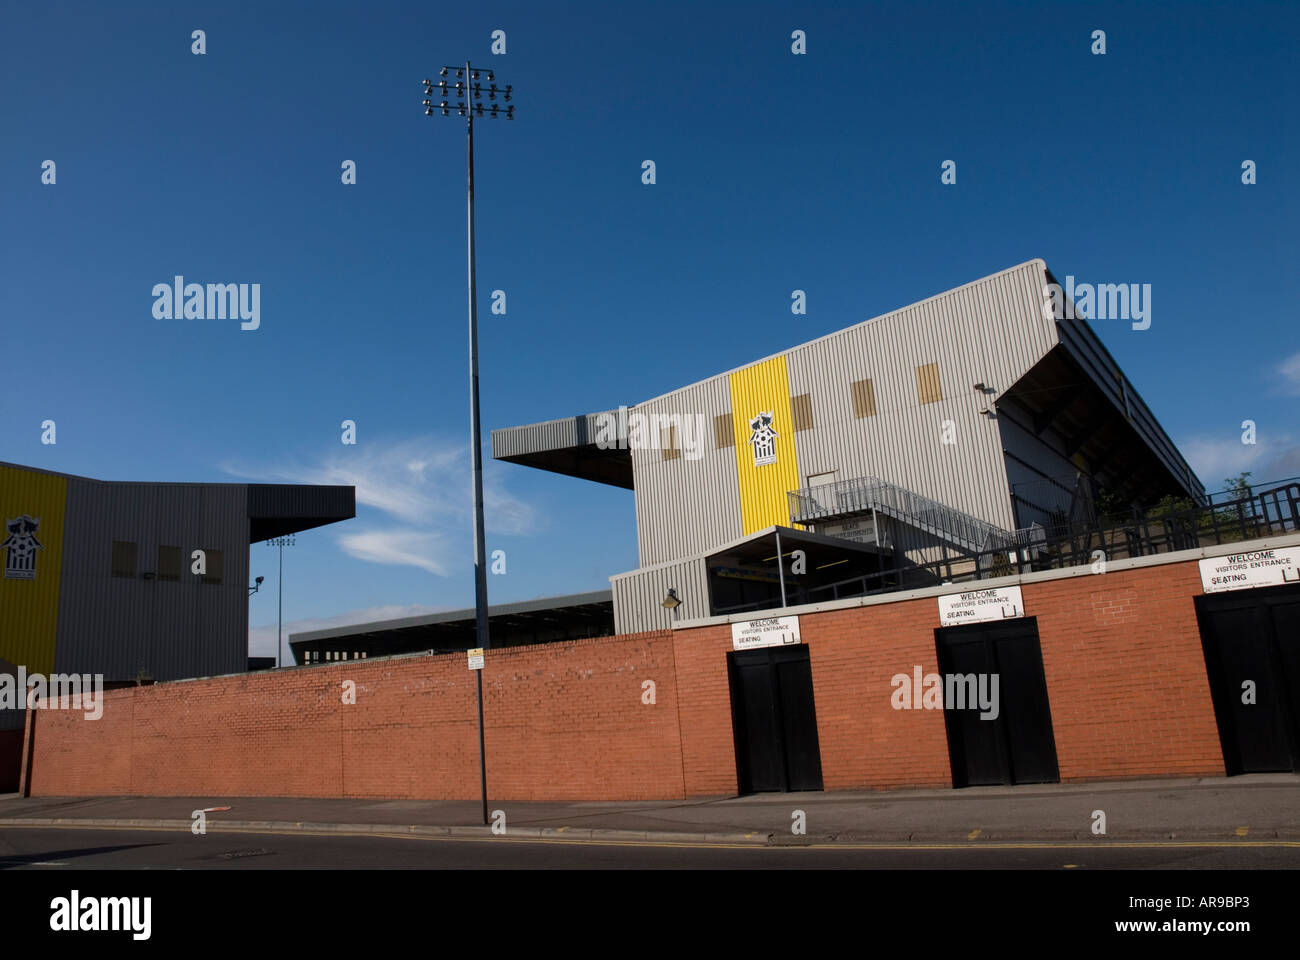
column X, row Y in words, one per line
column 259, row 579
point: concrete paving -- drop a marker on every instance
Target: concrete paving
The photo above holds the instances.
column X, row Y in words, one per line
column 1238, row 809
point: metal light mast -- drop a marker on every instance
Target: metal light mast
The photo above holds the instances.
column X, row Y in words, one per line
column 468, row 92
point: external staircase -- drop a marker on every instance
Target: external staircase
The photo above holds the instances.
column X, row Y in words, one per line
column 871, row 495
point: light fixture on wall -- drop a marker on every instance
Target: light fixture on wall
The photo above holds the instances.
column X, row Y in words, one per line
column 672, row 601
column 984, row 391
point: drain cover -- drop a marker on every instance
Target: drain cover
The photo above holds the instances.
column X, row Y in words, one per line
column 237, row 854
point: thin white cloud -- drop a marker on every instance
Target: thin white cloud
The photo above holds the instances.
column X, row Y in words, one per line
column 424, row 483
column 1289, row 371
column 1282, row 467
column 405, row 547
column 1216, row 458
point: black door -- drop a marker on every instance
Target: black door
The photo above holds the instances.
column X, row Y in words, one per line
column 1252, row 637
column 774, row 719
column 1008, row 739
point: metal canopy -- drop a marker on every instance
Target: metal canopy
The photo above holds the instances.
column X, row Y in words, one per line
column 1090, row 359
column 568, row 446
column 761, row 546
column 274, row 509
column 574, row 615
column 278, row 509
column 745, row 575
column 1126, row 454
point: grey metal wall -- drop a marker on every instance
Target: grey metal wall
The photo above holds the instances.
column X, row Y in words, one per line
column 116, row 626
column 685, row 506
column 550, row 435
column 1030, row 461
column 991, row 331
column 638, row 595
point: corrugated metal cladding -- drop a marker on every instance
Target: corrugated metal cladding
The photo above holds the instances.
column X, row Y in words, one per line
column 1030, row 462
column 172, row 629
column 551, row 435
column 639, row 595
column 29, row 598
column 689, row 504
column 991, row 331
column 298, row 500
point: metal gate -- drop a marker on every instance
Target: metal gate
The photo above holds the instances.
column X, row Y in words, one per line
column 1251, row 640
column 774, row 720
column 1016, row 745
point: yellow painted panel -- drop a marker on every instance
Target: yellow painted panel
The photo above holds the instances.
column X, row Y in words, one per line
column 864, row 399
column 30, row 564
column 764, row 389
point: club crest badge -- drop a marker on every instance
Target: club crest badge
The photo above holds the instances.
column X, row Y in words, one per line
column 763, row 439
column 20, row 548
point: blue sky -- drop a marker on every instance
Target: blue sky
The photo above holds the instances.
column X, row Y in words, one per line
column 774, row 172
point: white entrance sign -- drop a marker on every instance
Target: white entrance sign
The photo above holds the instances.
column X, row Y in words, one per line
column 977, row 606
column 773, row 632
column 1259, row 568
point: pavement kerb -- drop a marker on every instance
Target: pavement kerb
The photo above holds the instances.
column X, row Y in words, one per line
column 756, row 837
column 482, row 832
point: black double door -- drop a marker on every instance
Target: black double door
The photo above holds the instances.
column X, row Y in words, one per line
column 1016, row 745
column 774, row 720
column 1251, row 640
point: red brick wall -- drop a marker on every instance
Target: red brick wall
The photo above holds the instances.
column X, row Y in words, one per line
column 864, row 741
column 1121, row 653
column 1126, row 674
column 708, row 756
column 567, row 721
column 563, row 722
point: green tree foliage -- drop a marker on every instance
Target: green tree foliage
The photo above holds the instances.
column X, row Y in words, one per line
column 1238, row 487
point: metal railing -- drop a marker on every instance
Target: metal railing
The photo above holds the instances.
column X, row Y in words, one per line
column 1155, row 530
column 863, row 495
column 1141, row 533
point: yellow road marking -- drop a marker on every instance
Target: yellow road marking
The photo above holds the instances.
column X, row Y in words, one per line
column 1242, row 831
column 972, row 835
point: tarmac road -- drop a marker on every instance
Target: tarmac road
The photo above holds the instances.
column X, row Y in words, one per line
column 80, row 848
